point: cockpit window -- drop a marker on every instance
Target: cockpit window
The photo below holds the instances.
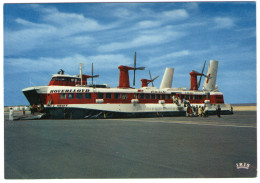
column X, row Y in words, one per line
column 65, row 79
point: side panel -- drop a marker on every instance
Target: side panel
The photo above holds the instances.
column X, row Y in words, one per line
column 80, row 113
column 33, row 97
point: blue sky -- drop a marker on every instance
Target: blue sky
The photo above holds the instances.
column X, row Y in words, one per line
column 40, row 39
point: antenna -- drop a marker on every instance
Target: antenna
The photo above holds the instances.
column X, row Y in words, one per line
column 136, row 68
column 202, row 73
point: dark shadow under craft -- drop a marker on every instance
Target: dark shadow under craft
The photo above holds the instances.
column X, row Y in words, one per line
column 71, row 97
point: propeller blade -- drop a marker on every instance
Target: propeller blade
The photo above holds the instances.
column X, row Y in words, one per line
column 155, row 78
column 135, row 60
column 202, row 73
column 140, row 68
column 151, row 77
column 134, row 69
column 92, row 74
column 95, row 76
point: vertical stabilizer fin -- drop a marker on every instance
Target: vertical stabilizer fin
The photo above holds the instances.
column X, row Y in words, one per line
column 210, row 83
column 167, row 78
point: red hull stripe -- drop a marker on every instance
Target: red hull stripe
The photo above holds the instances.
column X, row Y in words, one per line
column 91, row 98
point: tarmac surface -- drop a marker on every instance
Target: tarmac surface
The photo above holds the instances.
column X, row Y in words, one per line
column 170, row 147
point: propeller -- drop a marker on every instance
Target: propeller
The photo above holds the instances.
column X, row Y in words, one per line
column 196, row 72
column 153, row 78
column 93, row 76
column 202, row 73
column 136, row 68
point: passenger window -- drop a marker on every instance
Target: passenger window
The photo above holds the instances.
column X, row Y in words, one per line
column 163, row 96
column 158, row 96
column 108, row 95
column 70, row 95
column 88, row 95
column 117, row 95
column 124, row 96
column 208, row 95
column 100, row 95
column 147, row 96
column 63, row 96
column 153, row 96
column 79, row 95
column 141, row 96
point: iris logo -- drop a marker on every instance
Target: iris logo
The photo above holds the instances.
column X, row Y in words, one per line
column 242, row 165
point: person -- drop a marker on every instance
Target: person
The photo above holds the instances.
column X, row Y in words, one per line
column 194, row 111
column 176, row 101
column 200, row 111
column 218, row 111
column 32, row 110
column 11, row 114
column 184, row 101
column 179, row 101
column 197, row 110
column 39, row 108
column 190, row 111
column 205, row 112
column 187, row 111
column 23, row 111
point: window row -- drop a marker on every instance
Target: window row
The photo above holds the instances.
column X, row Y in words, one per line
column 114, row 96
column 72, row 95
column 192, row 97
column 65, row 79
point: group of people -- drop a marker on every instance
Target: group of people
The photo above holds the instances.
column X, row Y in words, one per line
column 193, row 111
column 34, row 108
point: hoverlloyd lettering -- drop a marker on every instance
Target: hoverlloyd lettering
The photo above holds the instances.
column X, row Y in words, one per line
column 70, row 91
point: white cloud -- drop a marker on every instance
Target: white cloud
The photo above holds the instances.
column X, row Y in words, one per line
column 122, row 12
column 168, row 57
column 145, row 38
column 223, row 22
column 178, row 14
column 29, row 24
column 71, row 23
column 69, row 64
column 192, row 6
column 26, row 39
column 147, row 24
column 55, row 26
column 44, row 9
